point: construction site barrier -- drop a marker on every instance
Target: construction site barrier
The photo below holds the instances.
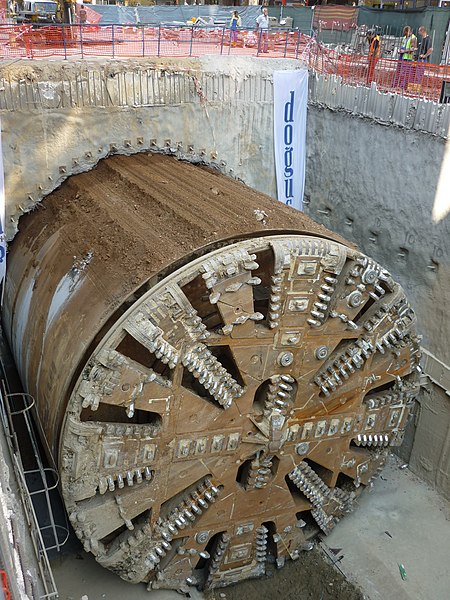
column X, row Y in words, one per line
column 6, row 594
column 410, row 78
column 115, row 41
column 121, row 41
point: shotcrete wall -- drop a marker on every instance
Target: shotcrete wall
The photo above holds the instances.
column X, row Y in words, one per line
column 374, row 166
column 376, row 185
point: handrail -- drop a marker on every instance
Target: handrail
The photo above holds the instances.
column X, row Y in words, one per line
column 36, row 532
column 421, row 80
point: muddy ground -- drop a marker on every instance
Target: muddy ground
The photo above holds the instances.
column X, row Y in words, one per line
column 311, row 577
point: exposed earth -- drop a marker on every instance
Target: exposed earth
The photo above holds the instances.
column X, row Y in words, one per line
column 311, row 577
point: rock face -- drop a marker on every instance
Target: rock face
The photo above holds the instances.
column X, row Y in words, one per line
column 217, row 387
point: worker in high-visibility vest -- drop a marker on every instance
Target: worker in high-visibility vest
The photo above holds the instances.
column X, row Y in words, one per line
column 374, row 54
column 409, row 44
column 405, row 73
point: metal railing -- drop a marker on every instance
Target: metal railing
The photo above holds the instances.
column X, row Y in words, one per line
column 408, row 78
column 31, row 483
column 115, row 41
column 421, row 80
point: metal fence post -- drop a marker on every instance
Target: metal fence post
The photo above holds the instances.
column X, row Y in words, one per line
column 298, row 44
column 112, row 39
column 192, row 40
column 143, row 40
column 159, row 40
column 286, row 44
column 81, row 40
column 222, row 40
column 63, row 27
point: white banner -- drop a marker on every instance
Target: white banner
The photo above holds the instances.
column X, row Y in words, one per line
column 2, row 215
column 290, row 102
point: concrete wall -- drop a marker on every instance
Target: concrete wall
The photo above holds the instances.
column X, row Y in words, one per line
column 375, row 169
column 377, row 187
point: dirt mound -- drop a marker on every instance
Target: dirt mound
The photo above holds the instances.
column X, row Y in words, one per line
column 311, row 577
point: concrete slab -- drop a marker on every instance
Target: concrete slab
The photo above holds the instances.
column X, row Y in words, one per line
column 79, row 577
column 402, row 522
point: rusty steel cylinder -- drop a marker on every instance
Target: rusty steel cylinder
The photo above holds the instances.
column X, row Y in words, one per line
column 217, row 375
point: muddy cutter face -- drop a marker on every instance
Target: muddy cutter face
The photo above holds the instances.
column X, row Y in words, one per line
column 236, row 409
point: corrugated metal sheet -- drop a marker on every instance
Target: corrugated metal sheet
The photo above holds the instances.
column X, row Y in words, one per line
column 152, row 87
column 386, row 108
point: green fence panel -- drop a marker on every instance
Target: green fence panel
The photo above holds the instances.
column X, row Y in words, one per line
column 433, row 18
column 301, row 15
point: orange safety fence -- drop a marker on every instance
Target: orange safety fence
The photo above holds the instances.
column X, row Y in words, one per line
column 410, row 78
column 115, row 41
column 141, row 41
column 4, row 584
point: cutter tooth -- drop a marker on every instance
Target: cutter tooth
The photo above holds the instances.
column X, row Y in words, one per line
column 379, row 347
column 253, row 281
column 324, row 297
column 317, row 314
column 314, row 322
column 166, row 535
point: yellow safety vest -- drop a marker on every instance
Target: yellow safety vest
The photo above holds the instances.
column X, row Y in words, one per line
column 407, row 43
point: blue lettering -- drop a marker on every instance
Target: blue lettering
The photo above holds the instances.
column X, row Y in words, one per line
column 289, row 109
column 288, row 134
column 289, row 151
column 288, row 156
column 288, row 189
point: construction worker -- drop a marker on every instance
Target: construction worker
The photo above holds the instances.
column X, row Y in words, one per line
column 262, row 25
column 235, row 22
column 409, row 44
column 424, row 52
column 405, row 67
column 425, row 48
column 374, row 54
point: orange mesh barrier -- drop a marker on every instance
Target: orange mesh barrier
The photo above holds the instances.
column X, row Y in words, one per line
column 4, row 583
column 409, row 78
column 115, row 41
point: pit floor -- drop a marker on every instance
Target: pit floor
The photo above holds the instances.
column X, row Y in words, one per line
column 401, row 522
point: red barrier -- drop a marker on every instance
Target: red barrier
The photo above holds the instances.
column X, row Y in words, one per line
column 115, row 41
column 409, row 78
column 4, row 583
